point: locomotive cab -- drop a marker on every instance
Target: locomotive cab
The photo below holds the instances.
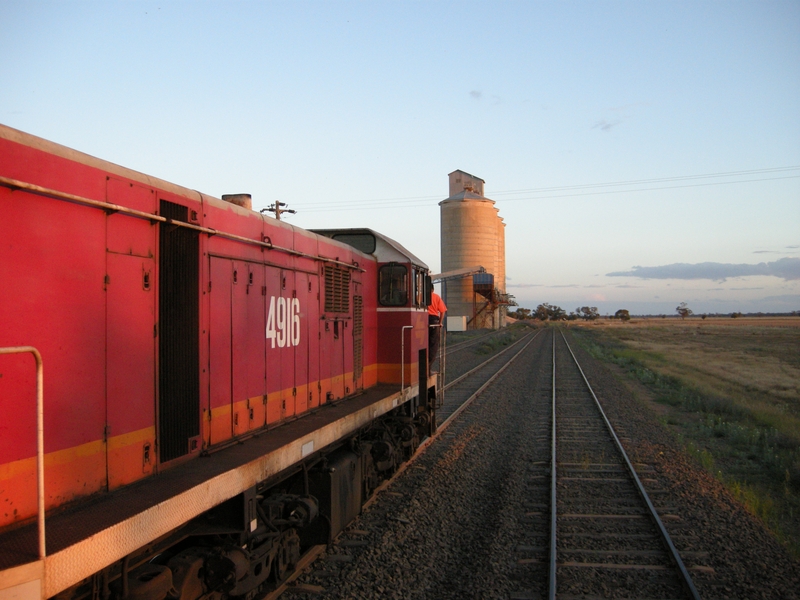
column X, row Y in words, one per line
column 403, row 294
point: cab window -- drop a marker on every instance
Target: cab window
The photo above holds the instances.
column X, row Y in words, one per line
column 419, row 289
column 393, row 285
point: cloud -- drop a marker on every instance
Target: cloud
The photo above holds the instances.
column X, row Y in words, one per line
column 787, row 250
column 793, row 299
column 785, row 268
column 628, row 285
column 606, row 125
column 476, row 94
column 524, row 285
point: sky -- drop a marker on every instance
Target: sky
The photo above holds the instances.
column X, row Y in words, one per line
column 641, row 154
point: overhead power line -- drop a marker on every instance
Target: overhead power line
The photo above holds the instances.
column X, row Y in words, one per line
column 591, row 189
column 655, row 180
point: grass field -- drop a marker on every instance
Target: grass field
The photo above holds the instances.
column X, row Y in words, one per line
column 729, row 389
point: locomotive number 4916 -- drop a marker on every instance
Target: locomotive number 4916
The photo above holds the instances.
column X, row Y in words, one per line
column 283, row 321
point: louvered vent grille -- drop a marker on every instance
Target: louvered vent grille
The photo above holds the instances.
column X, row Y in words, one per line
column 337, row 290
column 358, row 320
column 358, row 344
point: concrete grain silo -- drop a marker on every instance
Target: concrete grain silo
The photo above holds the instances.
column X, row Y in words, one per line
column 473, row 233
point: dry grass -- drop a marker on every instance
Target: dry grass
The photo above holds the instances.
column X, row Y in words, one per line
column 753, row 363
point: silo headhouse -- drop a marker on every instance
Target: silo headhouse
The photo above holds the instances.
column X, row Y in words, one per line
column 472, row 236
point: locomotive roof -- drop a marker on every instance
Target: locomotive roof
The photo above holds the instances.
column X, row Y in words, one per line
column 386, row 249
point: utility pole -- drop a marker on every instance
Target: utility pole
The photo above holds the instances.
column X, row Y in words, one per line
column 276, row 208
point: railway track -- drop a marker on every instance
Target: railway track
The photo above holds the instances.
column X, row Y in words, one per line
column 486, row 490
column 464, row 389
column 597, row 533
column 452, row 349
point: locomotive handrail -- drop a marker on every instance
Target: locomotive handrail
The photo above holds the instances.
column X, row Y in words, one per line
column 442, row 361
column 403, row 357
column 15, row 184
column 39, row 436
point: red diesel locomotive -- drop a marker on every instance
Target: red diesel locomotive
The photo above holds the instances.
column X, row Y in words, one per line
column 215, row 390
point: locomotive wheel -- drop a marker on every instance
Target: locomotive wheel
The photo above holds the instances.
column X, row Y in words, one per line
column 287, row 556
column 280, row 566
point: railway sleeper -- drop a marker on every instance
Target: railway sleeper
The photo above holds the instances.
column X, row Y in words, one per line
column 252, row 542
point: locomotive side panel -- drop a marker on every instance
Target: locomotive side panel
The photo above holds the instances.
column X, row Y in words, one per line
column 131, row 344
column 52, row 297
column 232, row 329
column 130, row 373
column 305, row 324
column 283, row 316
column 218, row 415
column 249, row 373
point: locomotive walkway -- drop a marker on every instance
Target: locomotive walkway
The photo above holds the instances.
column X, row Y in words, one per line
column 83, row 540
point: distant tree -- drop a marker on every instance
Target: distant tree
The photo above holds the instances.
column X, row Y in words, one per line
column 550, row 312
column 623, row 314
column 521, row 313
column 704, row 316
column 683, row 310
column 736, row 315
column 541, row 312
column 588, row 312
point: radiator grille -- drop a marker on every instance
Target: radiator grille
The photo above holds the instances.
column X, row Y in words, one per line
column 358, row 345
column 337, row 290
column 178, row 340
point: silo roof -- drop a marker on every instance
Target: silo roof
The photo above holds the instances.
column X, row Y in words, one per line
column 465, row 173
column 467, row 195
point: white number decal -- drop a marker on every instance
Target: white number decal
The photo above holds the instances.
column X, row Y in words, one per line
column 271, row 321
column 295, row 321
column 283, row 322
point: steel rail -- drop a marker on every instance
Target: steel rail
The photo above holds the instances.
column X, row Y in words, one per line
column 429, row 440
column 674, row 555
column 467, row 343
column 448, row 421
column 460, row 378
column 488, row 382
column 551, row 591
